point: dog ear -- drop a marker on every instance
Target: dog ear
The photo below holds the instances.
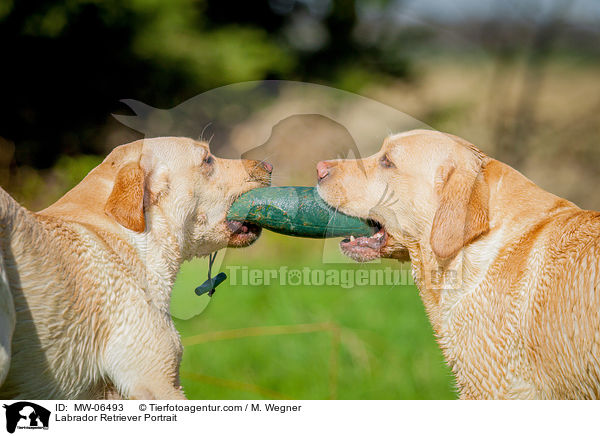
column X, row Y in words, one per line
column 462, row 214
column 126, row 201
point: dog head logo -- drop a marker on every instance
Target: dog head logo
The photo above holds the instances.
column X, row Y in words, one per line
column 26, row 415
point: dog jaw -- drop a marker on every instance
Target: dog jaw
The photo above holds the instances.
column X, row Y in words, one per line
column 383, row 244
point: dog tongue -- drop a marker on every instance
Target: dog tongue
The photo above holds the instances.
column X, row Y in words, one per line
column 234, row 226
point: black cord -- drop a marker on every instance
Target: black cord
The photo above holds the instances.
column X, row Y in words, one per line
column 211, row 260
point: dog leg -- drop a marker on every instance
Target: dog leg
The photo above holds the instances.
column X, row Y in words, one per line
column 145, row 386
column 148, row 373
column 157, row 391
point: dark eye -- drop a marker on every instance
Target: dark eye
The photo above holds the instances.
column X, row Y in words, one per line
column 385, row 162
column 208, row 160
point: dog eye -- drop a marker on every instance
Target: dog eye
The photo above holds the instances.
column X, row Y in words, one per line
column 385, row 162
column 208, row 160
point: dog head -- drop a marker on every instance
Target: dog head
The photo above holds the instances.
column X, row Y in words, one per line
column 178, row 183
column 168, row 187
column 423, row 188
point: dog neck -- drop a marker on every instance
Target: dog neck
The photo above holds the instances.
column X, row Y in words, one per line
column 468, row 314
column 156, row 250
column 442, row 282
column 159, row 252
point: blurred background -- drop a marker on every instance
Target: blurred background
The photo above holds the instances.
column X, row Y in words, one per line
column 520, row 79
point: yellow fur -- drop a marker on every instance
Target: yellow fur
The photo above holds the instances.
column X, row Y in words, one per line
column 512, row 296
column 91, row 285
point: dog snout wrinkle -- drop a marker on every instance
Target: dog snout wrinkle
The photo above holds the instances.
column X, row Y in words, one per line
column 258, row 170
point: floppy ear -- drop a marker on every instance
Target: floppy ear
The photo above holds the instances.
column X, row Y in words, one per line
column 462, row 214
column 126, row 201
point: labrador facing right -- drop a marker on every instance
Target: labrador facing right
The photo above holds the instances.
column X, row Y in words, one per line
column 508, row 272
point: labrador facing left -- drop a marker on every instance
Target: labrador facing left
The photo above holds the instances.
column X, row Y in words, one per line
column 85, row 284
column 509, row 273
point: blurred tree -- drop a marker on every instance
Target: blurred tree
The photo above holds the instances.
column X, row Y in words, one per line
column 66, row 64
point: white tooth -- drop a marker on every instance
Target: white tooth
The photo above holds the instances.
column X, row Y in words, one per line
column 352, row 238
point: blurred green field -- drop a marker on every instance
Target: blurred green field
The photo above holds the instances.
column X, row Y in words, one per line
column 305, row 342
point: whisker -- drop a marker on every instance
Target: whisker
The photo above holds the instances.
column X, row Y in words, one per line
column 203, row 129
column 335, row 211
column 394, row 202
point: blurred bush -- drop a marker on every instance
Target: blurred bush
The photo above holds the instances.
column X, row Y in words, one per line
column 68, row 63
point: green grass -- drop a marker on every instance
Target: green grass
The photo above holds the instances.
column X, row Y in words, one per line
column 305, row 342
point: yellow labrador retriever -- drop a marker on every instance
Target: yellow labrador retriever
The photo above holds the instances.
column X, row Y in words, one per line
column 85, row 284
column 508, row 273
